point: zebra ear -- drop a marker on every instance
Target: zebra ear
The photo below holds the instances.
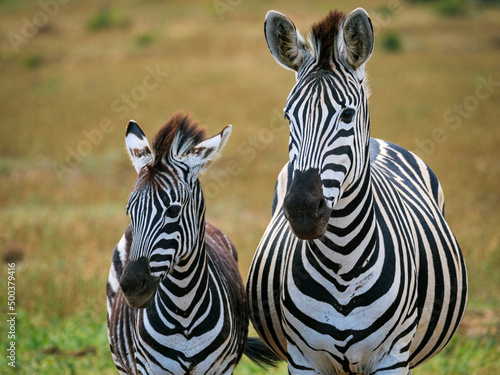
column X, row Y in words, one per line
column 137, row 146
column 202, row 155
column 358, row 40
column 284, row 41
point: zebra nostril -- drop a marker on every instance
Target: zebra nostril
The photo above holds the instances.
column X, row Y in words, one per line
column 132, row 284
column 124, row 288
column 143, row 285
column 135, row 278
column 125, row 285
column 320, row 210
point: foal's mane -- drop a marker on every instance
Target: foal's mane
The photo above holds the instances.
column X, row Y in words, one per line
column 178, row 136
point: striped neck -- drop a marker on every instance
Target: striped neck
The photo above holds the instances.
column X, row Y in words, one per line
column 186, row 285
column 351, row 239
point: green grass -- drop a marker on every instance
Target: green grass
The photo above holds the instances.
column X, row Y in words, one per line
column 33, row 62
column 65, row 81
column 106, row 19
column 144, row 40
column 72, row 345
column 464, row 356
column 453, row 8
column 391, row 42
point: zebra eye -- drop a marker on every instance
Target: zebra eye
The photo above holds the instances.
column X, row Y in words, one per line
column 347, row 115
column 173, row 211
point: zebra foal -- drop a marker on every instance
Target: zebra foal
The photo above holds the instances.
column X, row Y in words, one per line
column 176, row 301
column 358, row 271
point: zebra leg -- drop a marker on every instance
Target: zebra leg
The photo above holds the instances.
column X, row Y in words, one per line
column 300, row 364
column 392, row 359
column 399, row 371
column 309, row 371
column 292, row 370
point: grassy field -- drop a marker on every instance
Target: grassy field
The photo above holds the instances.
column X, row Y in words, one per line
column 73, row 74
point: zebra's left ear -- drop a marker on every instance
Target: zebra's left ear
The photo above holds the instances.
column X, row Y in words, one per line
column 358, row 41
column 203, row 154
column 137, row 146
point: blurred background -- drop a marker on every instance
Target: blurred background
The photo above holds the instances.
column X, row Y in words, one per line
column 74, row 72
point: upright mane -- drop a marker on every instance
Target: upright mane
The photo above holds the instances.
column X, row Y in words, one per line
column 324, row 36
column 176, row 138
column 179, row 135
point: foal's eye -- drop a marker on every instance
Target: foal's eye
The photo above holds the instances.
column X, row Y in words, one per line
column 347, row 115
column 173, row 211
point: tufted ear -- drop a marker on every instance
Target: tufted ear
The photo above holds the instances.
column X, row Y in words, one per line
column 358, row 40
column 137, row 146
column 203, row 154
column 284, row 41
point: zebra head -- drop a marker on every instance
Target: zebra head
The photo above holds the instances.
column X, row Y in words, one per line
column 327, row 110
column 166, row 205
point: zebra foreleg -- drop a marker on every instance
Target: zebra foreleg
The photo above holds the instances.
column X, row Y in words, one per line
column 299, row 364
column 308, row 371
column 399, row 371
column 320, row 362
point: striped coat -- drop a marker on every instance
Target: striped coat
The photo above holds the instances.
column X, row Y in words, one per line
column 358, row 271
column 142, row 342
column 176, row 301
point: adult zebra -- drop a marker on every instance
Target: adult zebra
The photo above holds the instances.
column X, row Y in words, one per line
column 358, row 271
column 176, row 301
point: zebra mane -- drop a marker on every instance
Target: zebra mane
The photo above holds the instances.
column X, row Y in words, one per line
column 323, row 39
column 324, row 35
column 177, row 137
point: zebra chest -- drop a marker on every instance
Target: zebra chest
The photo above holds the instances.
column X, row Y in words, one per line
column 339, row 339
column 344, row 324
column 312, row 306
column 172, row 340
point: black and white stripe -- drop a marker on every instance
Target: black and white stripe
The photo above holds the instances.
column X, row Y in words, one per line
column 176, row 301
column 358, row 271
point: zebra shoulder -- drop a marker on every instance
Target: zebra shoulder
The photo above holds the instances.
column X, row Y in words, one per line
column 224, row 259
column 392, row 155
column 218, row 242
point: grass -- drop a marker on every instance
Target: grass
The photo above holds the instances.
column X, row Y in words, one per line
column 464, row 356
column 391, row 42
column 75, row 345
column 219, row 69
column 105, row 19
column 33, row 61
column 453, row 8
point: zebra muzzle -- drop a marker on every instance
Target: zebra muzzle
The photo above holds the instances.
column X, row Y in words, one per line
column 305, row 205
column 137, row 284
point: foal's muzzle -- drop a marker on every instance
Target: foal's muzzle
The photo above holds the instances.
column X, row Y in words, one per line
column 137, row 284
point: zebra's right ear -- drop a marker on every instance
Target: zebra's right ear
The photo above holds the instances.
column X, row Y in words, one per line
column 137, row 146
column 284, row 41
